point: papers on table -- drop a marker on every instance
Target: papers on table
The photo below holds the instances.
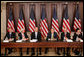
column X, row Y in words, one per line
column 23, row 39
column 69, row 40
column 33, row 40
column 19, row 41
column 52, row 39
column 48, row 39
column 5, row 40
column 81, row 40
column 11, row 40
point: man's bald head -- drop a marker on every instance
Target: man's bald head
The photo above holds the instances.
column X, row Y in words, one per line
column 36, row 29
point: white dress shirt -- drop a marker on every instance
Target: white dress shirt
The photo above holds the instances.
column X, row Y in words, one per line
column 10, row 34
column 36, row 34
column 77, row 38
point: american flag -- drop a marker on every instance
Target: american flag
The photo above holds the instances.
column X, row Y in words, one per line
column 66, row 23
column 21, row 24
column 55, row 22
column 43, row 24
column 32, row 24
column 77, row 21
column 10, row 21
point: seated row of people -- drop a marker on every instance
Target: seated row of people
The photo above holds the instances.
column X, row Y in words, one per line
column 37, row 35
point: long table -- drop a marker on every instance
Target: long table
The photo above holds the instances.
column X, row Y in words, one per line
column 43, row 44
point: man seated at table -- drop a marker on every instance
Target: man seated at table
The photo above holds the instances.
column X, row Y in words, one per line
column 64, row 36
column 52, row 36
column 36, row 35
column 10, row 35
column 77, row 37
column 23, row 36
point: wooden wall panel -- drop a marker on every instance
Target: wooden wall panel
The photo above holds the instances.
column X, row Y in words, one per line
column 49, row 9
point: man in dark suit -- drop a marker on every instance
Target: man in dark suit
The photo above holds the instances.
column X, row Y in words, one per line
column 52, row 36
column 36, row 35
column 77, row 37
column 23, row 36
column 64, row 36
column 10, row 35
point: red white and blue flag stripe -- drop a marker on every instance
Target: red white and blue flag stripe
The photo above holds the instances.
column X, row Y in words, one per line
column 43, row 24
column 77, row 21
column 66, row 23
column 21, row 24
column 11, row 21
column 32, row 24
column 55, row 24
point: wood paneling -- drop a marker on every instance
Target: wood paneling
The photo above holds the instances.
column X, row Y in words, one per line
column 49, row 9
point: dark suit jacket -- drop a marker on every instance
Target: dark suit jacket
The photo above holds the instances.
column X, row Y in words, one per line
column 20, row 35
column 63, row 35
column 38, row 36
column 49, row 35
column 13, row 35
column 75, row 36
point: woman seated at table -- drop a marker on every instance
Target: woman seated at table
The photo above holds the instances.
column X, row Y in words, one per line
column 23, row 36
column 10, row 35
column 77, row 37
